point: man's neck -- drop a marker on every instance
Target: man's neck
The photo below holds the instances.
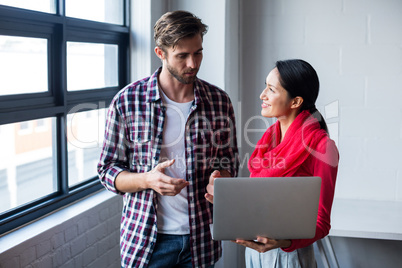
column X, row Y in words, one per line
column 175, row 90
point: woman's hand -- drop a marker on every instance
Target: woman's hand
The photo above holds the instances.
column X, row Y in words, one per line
column 264, row 244
column 210, row 187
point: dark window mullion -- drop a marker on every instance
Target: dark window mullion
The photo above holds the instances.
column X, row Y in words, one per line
column 124, row 62
column 60, row 7
column 29, row 101
column 57, row 70
column 62, row 155
column 91, row 95
column 61, row 74
column 31, row 114
column 10, row 13
column 127, row 11
column 93, row 26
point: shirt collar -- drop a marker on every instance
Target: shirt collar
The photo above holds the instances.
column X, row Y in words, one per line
column 200, row 92
column 153, row 87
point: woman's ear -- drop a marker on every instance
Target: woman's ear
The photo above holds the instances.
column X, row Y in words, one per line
column 160, row 53
column 297, row 102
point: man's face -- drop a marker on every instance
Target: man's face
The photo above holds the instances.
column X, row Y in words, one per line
column 184, row 60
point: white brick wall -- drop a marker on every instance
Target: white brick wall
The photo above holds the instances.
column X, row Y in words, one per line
column 335, row 28
column 90, row 239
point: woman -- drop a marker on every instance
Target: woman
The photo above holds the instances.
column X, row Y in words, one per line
column 296, row 145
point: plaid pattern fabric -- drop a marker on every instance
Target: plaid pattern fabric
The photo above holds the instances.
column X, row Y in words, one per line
column 133, row 140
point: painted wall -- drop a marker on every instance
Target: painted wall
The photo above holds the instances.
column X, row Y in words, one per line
column 214, row 40
column 356, row 48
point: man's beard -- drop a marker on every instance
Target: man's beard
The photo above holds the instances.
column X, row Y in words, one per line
column 180, row 78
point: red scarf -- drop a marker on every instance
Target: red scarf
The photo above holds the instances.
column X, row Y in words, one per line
column 272, row 158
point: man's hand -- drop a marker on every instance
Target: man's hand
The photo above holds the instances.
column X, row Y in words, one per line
column 163, row 184
column 210, row 187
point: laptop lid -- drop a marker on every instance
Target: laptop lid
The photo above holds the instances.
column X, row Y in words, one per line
column 278, row 208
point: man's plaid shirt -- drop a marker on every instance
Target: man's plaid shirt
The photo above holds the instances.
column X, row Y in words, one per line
column 133, row 140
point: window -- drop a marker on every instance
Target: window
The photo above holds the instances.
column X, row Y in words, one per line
column 28, row 163
column 85, row 136
column 96, row 10
column 38, row 5
column 91, row 66
column 23, row 57
column 61, row 63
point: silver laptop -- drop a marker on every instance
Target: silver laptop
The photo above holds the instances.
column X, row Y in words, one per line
column 278, row 208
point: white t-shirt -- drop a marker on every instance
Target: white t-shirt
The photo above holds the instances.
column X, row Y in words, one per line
column 172, row 211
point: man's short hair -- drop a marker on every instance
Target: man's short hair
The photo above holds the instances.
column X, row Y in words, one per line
column 176, row 25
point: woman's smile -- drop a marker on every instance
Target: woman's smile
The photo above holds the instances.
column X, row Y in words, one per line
column 265, row 105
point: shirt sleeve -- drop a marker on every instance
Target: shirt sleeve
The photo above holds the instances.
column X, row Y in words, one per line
column 113, row 158
column 324, row 164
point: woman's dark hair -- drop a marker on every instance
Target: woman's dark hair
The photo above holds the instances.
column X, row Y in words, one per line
column 176, row 25
column 299, row 78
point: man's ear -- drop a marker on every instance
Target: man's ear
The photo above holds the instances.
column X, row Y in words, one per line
column 160, row 53
column 297, row 102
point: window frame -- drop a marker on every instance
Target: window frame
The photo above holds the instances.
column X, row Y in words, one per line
column 57, row 101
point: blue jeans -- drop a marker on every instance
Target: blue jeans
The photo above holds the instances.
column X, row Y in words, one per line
column 171, row 251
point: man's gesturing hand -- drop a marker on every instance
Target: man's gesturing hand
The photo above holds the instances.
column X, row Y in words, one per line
column 163, row 184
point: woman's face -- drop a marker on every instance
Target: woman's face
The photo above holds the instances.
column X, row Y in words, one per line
column 276, row 101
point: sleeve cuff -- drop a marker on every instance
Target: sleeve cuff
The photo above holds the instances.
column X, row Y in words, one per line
column 111, row 178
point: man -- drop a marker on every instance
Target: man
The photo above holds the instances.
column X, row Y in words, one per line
column 165, row 135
